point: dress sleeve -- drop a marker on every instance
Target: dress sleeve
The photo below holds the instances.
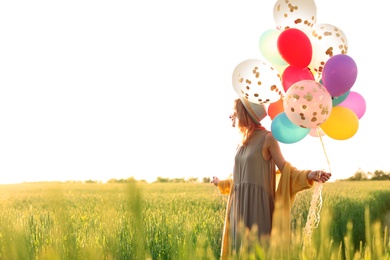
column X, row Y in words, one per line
column 224, row 186
column 291, row 182
column 299, row 181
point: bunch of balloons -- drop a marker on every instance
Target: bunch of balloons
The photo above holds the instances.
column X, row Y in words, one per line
column 306, row 78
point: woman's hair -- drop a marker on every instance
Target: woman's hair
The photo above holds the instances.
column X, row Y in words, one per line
column 245, row 124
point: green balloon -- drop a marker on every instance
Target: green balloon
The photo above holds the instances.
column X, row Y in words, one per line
column 269, row 47
column 286, row 131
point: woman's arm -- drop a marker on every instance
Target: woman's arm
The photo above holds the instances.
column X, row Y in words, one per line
column 271, row 150
column 223, row 185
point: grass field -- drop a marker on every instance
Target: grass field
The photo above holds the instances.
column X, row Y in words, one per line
column 177, row 221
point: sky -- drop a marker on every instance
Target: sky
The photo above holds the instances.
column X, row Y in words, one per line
column 95, row 90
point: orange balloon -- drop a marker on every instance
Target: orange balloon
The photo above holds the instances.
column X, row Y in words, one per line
column 342, row 123
column 275, row 108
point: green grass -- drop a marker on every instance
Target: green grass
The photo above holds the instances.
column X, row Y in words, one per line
column 177, row 221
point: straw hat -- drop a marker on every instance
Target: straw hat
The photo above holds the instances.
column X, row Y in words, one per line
column 256, row 111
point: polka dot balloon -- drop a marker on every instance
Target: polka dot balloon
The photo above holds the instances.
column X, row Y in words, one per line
column 300, row 14
column 307, row 104
column 327, row 40
column 257, row 81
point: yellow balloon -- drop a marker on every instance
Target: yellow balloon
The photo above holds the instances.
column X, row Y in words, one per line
column 342, row 123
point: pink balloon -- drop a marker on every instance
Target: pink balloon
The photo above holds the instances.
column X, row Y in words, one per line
column 294, row 74
column 355, row 102
column 307, row 104
column 339, row 74
column 316, row 132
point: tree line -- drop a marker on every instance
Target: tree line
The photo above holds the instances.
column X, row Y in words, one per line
column 359, row 175
column 377, row 175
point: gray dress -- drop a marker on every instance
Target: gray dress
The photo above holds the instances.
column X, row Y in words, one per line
column 252, row 198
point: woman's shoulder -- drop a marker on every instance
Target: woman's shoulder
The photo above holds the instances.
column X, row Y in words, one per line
column 269, row 138
column 260, row 137
column 265, row 133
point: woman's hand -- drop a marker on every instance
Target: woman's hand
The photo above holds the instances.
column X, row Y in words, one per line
column 215, row 180
column 319, row 176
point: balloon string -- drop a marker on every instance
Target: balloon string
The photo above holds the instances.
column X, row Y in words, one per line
column 323, row 148
column 313, row 217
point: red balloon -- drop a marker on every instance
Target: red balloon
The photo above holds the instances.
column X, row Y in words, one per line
column 295, row 47
column 293, row 74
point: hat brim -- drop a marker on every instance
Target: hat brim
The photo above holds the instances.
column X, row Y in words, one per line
column 256, row 111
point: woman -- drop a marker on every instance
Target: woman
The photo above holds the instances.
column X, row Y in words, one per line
column 252, row 192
